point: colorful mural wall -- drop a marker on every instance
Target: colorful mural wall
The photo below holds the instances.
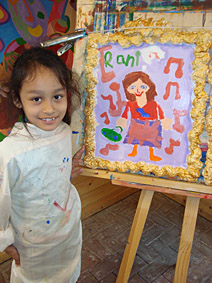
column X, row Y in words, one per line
column 110, row 14
column 25, row 23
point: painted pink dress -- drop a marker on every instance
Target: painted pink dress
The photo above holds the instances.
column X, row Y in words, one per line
column 145, row 126
column 40, row 209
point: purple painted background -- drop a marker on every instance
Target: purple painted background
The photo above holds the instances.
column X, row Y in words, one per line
column 153, row 66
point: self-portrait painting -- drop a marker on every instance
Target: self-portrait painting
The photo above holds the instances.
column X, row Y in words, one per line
column 146, row 101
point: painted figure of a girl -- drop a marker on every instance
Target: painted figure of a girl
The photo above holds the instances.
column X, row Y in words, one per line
column 147, row 117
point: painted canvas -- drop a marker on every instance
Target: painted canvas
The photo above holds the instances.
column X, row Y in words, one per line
column 146, row 101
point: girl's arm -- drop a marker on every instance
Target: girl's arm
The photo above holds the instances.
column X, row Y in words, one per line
column 166, row 122
column 122, row 121
column 6, row 230
column 160, row 112
column 76, row 161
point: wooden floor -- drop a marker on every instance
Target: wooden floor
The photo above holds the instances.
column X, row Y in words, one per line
column 97, row 194
column 106, row 234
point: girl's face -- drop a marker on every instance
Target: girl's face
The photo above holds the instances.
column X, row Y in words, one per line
column 44, row 100
column 138, row 88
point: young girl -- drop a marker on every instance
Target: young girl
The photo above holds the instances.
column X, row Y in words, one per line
column 40, row 209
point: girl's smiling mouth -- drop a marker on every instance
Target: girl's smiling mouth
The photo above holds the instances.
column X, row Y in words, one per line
column 139, row 94
column 48, row 120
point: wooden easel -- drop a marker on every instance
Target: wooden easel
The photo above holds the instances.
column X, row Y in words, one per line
column 148, row 185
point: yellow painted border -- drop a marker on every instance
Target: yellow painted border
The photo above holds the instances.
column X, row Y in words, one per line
column 207, row 172
column 202, row 40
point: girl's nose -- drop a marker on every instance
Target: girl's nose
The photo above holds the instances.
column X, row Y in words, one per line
column 47, row 107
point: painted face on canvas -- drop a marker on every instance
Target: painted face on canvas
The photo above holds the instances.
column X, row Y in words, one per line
column 44, row 100
column 138, row 88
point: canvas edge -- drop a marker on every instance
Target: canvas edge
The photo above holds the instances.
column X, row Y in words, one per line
column 207, row 172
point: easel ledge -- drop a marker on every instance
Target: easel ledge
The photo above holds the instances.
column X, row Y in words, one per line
column 193, row 191
column 166, row 185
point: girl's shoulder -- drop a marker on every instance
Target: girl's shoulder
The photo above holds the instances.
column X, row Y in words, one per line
column 9, row 145
column 22, row 139
column 13, row 140
column 6, row 148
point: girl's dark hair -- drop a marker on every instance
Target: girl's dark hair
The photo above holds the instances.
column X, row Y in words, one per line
column 27, row 64
column 133, row 77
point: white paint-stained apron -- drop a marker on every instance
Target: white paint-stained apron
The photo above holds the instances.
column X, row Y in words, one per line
column 40, row 209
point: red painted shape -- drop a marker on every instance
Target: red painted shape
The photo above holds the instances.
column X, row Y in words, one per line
column 30, row 17
column 109, row 97
column 108, row 147
column 116, row 112
column 59, row 207
column 4, row 15
column 60, row 28
column 168, row 89
column 156, row 55
column 13, row 2
column 106, row 77
column 107, row 121
column 177, row 114
column 170, row 149
column 179, row 62
column 114, row 86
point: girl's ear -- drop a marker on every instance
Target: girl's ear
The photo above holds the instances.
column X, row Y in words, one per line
column 17, row 103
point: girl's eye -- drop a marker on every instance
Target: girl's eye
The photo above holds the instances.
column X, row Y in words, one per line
column 36, row 99
column 143, row 86
column 57, row 97
column 132, row 87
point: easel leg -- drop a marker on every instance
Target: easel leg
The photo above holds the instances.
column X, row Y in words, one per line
column 135, row 235
column 186, row 240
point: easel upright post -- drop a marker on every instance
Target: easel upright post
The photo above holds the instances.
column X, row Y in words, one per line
column 186, row 239
column 135, row 235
